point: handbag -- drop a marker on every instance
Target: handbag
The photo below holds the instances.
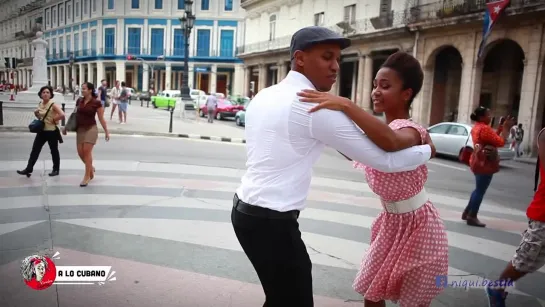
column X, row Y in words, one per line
column 72, row 123
column 37, row 125
column 485, row 160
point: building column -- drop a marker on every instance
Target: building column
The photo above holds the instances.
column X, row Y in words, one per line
column 238, row 80
column 471, row 80
column 91, row 73
column 359, row 85
column 74, row 75
column 101, row 72
column 191, row 76
column 145, row 77
column 120, row 71
column 247, row 79
column 51, row 76
column 282, row 71
column 59, row 76
column 66, row 76
column 367, row 86
column 262, row 79
column 531, row 111
column 168, row 76
column 214, row 78
column 81, row 74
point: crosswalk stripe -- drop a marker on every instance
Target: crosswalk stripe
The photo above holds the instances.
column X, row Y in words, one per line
column 324, row 249
column 502, row 251
column 134, row 166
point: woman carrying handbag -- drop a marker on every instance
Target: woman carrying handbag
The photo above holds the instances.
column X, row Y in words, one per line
column 484, row 161
column 45, row 126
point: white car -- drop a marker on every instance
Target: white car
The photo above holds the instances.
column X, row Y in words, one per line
column 450, row 138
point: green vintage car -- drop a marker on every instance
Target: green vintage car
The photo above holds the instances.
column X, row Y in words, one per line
column 165, row 99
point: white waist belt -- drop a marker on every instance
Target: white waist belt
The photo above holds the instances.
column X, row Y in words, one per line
column 407, row 205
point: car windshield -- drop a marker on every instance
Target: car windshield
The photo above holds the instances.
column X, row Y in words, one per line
column 225, row 102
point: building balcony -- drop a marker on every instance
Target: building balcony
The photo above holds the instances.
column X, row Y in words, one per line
column 466, row 9
column 368, row 26
column 175, row 54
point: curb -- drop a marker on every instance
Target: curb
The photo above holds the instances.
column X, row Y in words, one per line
column 140, row 133
column 525, row 161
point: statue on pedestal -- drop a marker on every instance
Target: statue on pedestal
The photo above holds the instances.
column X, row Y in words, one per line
column 39, row 73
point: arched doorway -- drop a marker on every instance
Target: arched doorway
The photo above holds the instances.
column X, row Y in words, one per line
column 447, row 75
column 503, row 67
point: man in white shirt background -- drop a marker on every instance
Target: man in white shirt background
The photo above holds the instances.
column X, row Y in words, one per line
column 283, row 141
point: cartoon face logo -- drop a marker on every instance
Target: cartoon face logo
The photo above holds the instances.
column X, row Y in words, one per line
column 38, row 272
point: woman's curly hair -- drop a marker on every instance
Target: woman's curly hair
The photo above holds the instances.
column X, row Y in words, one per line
column 27, row 266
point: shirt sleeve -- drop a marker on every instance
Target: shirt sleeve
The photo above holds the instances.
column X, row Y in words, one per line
column 336, row 130
column 488, row 136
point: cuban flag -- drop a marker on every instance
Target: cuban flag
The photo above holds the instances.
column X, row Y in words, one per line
column 493, row 11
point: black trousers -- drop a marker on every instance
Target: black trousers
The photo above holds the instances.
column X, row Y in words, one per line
column 279, row 256
column 53, row 139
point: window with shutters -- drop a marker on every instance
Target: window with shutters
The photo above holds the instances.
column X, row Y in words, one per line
column 350, row 14
column 272, row 27
column 319, row 19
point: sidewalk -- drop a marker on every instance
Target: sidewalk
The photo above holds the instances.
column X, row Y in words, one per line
column 141, row 121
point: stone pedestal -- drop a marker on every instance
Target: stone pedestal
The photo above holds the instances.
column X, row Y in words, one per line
column 39, row 75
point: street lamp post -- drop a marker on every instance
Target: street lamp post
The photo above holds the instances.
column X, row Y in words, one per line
column 71, row 64
column 187, row 22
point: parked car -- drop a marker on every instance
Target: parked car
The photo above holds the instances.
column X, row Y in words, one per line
column 450, row 138
column 240, row 117
column 165, row 99
column 224, row 109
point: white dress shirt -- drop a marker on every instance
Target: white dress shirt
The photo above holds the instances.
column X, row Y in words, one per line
column 283, row 141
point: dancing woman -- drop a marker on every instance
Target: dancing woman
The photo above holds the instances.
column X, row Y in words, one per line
column 409, row 246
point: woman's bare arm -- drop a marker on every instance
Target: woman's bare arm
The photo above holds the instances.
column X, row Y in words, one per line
column 380, row 133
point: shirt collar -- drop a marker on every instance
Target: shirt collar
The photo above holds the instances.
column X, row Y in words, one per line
column 297, row 77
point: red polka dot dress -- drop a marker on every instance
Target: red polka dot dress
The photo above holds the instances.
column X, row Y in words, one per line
column 407, row 250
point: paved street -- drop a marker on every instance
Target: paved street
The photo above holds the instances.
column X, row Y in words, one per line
column 140, row 120
column 158, row 211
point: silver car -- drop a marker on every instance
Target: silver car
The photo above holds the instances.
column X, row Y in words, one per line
column 450, row 138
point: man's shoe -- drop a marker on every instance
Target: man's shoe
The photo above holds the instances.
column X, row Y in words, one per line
column 54, row 173
column 25, row 172
column 473, row 221
column 496, row 298
column 464, row 215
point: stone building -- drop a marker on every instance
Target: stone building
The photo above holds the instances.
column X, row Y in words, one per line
column 91, row 40
column 444, row 35
column 19, row 22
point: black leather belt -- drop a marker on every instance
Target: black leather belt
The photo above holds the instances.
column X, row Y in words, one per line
column 248, row 209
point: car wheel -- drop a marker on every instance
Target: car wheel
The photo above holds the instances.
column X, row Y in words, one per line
column 201, row 113
column 218, row 116
column 237, row 121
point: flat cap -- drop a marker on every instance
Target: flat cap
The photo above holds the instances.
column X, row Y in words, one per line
column 313, row 35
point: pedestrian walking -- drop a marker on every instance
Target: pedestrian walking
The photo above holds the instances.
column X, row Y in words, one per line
column 103, row 92
column 88, row 107
column 283, row 141
column 400, row 235
column 123, row 103
column 484, row 161
column 530, row 254
column 116, row 91
column 50, row 114
column 519, row 137
column 211, row 105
